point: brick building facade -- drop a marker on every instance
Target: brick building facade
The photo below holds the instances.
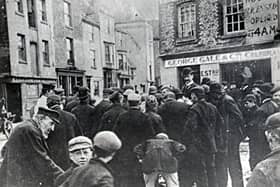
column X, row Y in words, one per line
column 225, row 40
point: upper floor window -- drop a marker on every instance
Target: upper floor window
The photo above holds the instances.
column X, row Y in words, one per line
column 121, row 61
column 92, row 33
column 67, row 14
column 46, row 59
column 19, row 6
column 31, row 13
column 234, row 16
column 93, row 58
column 70, row 51
column 187, row 20
column 21, row 47
column 109, row 53
column 43, row 10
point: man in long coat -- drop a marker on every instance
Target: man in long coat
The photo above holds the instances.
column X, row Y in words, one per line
column 85, row 113
column 228, row 155
column 204, row 122
column 58, row 139
column 26, row 157
column 133, row 128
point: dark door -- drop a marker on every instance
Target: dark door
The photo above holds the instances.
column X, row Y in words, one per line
column 14, row 100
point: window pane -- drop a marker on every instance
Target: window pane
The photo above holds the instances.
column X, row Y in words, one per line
column 229, row 18
column 229, row 27
column 242, row 26
column 234, row 9
column 228, row 10
column 228, row 2
column 235, row 26
column 235, row 17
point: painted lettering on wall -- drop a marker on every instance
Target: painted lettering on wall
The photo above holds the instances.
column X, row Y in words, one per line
column 260, row 19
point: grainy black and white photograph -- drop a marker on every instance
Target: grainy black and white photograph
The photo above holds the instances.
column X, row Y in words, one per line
column 139, row 93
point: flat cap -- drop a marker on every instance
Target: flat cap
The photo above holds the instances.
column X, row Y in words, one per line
column 108, row 91
column 251, row 97
column 115, row 96
column 273, row 121
column 79, row 142
column 107, row 141
column 58, row 91
column 216, row 88
column 133, row 97
column 275, row 89
column 83, row 93
column 152, row 90
column 128, row 91
column 50, row 113
column 53, row 98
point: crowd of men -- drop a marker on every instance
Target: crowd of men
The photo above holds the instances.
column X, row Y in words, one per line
column 190, row 136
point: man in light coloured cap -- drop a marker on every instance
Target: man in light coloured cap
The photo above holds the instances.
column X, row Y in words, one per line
column 97, row 172
column 80, row 152
column 267, row 172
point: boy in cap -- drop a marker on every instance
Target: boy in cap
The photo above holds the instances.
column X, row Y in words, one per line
column 157, row 156
column 97, row 172
column 80, row 152
column 257, row 141
column 266, row 173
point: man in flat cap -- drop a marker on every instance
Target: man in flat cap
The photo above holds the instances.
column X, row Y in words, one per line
column 26, row 157
column 97, row 172
column 80, row 152
column 133, row 128
column 267, row 172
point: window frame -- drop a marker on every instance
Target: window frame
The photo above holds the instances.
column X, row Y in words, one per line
column 191, row 21
column 92, row 34
column 93, row 58
column 70, row 51
column 238, row 13
column 19, row 6
column 46, row 53
column 21, row 50
column 31, row 12
column 68, row 14
column 43, row 10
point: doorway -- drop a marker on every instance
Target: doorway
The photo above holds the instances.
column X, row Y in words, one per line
column 14, row 101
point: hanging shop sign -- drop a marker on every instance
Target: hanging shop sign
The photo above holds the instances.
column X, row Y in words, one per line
column 222, row 58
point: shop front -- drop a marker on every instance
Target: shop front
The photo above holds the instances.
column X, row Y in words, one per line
column 243, row 67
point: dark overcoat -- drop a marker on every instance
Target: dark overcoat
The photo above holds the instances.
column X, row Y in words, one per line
column 109, row 118
column 58, row 139
column 84, row 113
column 132, row 128
column 174, row 116
column 204, row 121
column 100, row 109
column 26, row 159
column 94, row 174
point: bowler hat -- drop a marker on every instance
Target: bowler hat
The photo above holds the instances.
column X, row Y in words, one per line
column 79, row 142
column 58, row 91
column 128, row 91
column 273, row 121
column 83, row 93
column 50, row 113
column 187, row 71
column 266, row 88
column 107, row 141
